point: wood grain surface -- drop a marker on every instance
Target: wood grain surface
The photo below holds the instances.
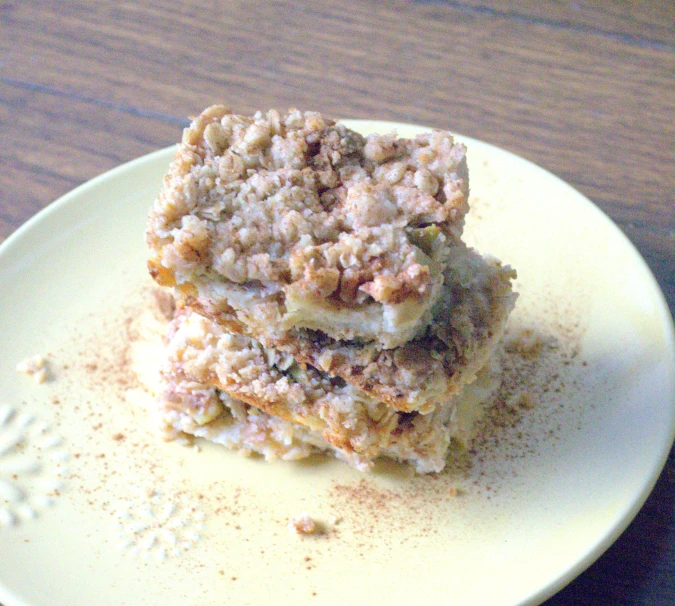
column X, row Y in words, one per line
column 586, row 90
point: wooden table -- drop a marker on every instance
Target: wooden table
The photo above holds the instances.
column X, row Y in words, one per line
column 586, row 90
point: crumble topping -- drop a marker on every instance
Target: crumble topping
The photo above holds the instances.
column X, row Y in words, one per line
column 299, row 209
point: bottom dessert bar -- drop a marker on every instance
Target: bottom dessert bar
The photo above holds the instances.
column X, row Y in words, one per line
column 228, row 389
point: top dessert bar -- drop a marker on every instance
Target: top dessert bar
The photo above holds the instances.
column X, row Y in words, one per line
column 296, row 222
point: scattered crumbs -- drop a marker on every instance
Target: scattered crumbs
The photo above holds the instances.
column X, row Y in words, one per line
column 524, row 400
column 526, row 342
column 518, row 421
column 118, row 437
column 165, row 304
column 221, row 573
column 303, row 524
column 36, row 367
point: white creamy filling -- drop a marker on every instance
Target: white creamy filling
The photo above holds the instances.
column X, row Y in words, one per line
column 392, row 325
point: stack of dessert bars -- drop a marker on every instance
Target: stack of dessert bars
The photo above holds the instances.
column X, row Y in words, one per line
column 324, row 298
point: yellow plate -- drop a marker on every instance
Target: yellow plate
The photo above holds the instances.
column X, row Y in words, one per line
column 95, row 509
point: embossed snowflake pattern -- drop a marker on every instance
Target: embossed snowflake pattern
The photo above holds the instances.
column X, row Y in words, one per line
column 33, row 466
column 158, row 525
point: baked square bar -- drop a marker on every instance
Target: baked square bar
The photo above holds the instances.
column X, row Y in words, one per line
column 296, row 222
column 468, row 321
column 230, row 390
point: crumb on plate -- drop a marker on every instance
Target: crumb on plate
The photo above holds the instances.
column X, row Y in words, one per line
column 302, row 524
column 36, row 367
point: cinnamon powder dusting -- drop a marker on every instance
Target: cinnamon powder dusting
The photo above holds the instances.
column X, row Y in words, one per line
column 539, row 366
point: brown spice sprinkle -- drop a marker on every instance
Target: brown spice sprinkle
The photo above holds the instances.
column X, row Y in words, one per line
column 531, row 388
column 525, row 342
column 365, row 508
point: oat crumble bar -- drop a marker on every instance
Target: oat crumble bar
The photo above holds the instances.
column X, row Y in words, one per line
column 215, row 380
column 297, row 222
column 325, row 301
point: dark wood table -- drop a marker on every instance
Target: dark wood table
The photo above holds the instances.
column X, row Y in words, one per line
column 586, row 90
